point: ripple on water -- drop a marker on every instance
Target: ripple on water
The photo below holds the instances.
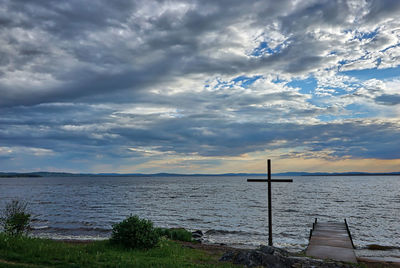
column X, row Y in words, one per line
column 228, row 209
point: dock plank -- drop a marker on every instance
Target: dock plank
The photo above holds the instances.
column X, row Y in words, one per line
column 331, row 241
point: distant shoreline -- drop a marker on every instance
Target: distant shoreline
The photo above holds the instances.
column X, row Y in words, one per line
column 20, row 175
column 294, row 174
column 361, row 174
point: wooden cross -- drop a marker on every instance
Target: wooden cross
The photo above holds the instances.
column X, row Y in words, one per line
column 269, row 198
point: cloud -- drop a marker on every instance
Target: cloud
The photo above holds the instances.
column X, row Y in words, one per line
column 69, row 51
column 388, row 99
column 381, row 10
column 141, row 80
column 229, row 131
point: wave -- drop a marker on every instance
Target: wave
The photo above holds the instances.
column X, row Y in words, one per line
column 225, row 232
column 290, row 210
column 72, row 230
column 44, row 227
column 65, row 237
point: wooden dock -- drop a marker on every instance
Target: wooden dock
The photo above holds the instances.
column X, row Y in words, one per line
column 331, row 241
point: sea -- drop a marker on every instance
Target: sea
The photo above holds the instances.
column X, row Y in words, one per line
column 227, row 209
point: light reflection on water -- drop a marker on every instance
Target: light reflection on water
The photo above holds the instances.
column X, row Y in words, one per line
column 229, row 209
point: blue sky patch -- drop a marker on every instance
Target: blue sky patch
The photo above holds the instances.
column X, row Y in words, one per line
column 263, row 49
column 327, row 117
column 359, row 111
column 366, row 35
column 307, row 86
column 245, row 80
column 338, row 91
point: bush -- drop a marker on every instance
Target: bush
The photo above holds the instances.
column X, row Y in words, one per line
column 15, row 220
column 134, row 232
column 176, row 234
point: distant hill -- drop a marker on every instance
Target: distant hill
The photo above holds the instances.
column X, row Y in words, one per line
column 354, row 174
column 65, row 174
column 18, row 175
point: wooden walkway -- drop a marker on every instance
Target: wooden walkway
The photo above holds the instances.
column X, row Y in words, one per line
column 331, row 241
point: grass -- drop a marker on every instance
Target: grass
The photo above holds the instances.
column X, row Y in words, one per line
column 176, row 234
column 37, row 252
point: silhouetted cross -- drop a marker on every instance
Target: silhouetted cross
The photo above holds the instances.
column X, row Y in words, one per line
column 269, row 180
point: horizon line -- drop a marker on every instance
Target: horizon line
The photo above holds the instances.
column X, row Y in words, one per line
column 288, row 173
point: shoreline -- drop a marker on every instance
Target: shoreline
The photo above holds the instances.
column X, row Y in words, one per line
column 217, row 253
column 220, row 249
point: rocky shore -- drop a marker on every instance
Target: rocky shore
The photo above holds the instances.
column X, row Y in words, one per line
column 266, row 256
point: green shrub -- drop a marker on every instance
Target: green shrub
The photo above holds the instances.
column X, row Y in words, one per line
column 15, row 220
column 176, row 234
column 134, row 232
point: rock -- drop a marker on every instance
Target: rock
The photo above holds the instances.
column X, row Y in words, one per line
column 267, row 249
column 266, row 256
column 228, row 256
column 297, row 265
column 197, row 234
column 253, row 258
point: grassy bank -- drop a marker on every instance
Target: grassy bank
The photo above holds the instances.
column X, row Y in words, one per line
column 36, row 252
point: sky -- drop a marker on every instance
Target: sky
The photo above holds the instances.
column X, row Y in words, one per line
column 210, row 86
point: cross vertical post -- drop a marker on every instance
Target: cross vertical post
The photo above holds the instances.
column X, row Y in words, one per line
column 269, row 205
column 269, row 181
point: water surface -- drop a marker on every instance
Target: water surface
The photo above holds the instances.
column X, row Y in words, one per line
column 229, row 210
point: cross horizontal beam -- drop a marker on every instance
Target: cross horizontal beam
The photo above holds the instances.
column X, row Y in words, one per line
column 264, row 180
